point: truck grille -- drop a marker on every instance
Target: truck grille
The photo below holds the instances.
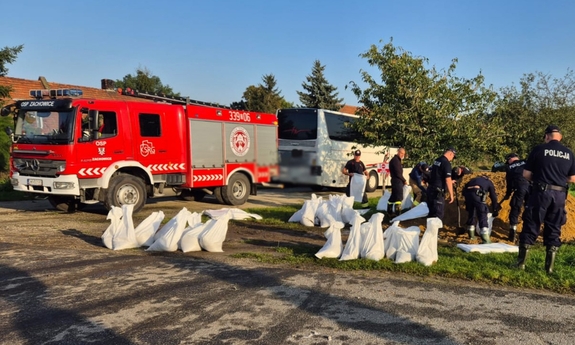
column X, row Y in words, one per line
column 37, row 167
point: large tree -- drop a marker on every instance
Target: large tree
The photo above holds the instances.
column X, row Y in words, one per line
column 7, row 56
column 423, row 109
column 318, row 93
column 145, row 81
column 265, row 97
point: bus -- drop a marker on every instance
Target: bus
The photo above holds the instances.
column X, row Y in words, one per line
column 315, row 144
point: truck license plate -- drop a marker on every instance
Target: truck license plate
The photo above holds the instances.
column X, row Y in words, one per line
column 34, row 182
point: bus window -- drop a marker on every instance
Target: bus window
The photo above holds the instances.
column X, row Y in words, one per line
column 339, row 127
column 297, row 124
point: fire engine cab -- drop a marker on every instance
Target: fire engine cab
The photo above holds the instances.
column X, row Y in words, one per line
column 80, row 151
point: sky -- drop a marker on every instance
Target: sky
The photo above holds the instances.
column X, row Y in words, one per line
column 213, row 50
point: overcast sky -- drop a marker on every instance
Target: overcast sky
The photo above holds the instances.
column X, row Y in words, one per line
column 212, row 50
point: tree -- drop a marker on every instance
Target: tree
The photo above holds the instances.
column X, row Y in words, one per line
column 7, row 56
column 319, row 93
column 423, row 109
column 145, row 81
column 264, row 98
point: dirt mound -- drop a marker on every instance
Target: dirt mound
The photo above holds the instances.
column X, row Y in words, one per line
column 500, row 228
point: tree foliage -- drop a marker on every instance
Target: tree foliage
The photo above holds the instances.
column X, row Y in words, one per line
column 7, row 56
column 318, row 93
column 540, row 100
column 423, row 109
column 265, row 97
column 145, row 81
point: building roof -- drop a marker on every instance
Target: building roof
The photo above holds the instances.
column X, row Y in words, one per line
column 21, row 89
column 348, row 109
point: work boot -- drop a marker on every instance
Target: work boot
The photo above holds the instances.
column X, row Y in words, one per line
column 512, row 233
column 522, row 257
column 390, row 210
column 397, row 209
column 485, row 238
column 550, row 258
column 471, row 232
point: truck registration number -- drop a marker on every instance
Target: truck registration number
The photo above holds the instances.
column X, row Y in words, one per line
column 34, row 182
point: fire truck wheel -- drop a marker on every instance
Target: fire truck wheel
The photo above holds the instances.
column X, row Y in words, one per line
column 372, row 182
column 192, row 195
column 125, row 190
column 63, row 203
column 237, row 191
column 218, row 195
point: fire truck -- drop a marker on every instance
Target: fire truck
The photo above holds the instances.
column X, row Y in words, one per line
column 79, row 151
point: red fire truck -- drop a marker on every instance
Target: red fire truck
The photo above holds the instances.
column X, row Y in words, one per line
column 80, row 151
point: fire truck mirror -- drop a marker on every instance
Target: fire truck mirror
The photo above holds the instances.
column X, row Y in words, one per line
column 5, row 111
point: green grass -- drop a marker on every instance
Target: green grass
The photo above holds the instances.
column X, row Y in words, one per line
column 7, row 193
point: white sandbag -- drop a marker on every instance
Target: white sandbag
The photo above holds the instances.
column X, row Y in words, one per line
column 348, row 214
column 333, row 246
column 236, row 214
column 382, row 203
column 372, row 247
column 125, row 238
column 351, row 249
column 194, row 219
column 357, row 187
column 418, row 211
column 401, row 240
column 296, row 217
column 427, row 252
column 402, row 256
column 335, row 203
column 190, row 240
column 309, row 209
column 115, row 218
column 488, row 248
column 214, row 234
column 388, row 239
column 147, row 228
column 167, row 238
column 407, row 201
column 325, row 215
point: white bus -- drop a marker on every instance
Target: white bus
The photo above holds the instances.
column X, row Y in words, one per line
column 315, row 144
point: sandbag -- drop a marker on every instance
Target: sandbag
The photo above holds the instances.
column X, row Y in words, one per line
column 214, row 234
column 382, row 203
column 407, row 201
column 488, row 248
column 388, row 239
column 333, row 246
column 427, row 252
column 407, row 241
column 190, row 240
column 147, row 228
column 325, row 215
column 357, row 187
column 115, row 218
column 419, row 211
column 372, row 246
column 167, row 238
column 125, row 238
column 352, row 246
column 236, row 214
column 309, row 209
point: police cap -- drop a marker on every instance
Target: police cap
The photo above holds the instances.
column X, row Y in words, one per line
column 357, row 153
column 552, row 129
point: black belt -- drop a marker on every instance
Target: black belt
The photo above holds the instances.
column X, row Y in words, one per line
column 545, row 186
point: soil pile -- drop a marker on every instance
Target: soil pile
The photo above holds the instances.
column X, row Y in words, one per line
column 453, row 220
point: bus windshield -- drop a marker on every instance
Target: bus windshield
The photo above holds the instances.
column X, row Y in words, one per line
column 297, row 124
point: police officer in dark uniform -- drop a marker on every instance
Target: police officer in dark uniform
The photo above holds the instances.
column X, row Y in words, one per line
column 397, row 183
column 517, row 186
column 355, row 166
column 475, row 193
column 550, row 166
column 439, row 182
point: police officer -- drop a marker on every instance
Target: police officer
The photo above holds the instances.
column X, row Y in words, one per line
column 475, row 193
column 517, row 186
column 550, row 166
column 355, row 166
column 416, row 181
column 439, row 182
column 397, row 183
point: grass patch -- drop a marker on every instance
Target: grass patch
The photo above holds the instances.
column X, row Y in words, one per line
column 7, row 193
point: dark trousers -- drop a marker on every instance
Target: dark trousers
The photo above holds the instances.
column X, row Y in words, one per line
column 476, row 209
column 396, row 191
column 435, row 202
column 519, row 198
column 547, row 207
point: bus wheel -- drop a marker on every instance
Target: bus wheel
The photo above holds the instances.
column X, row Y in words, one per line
column 237, row 191
column 316, row 188
column 192, row 195
column 372, row 182
column 218, row 195
column 126, row 190
column 63, row 203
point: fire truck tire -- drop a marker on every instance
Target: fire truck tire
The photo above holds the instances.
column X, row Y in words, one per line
column 192, row 195
column 218, row 195
column 237, row 191
column 63, row 203
column 125, row 190
column 372, row 182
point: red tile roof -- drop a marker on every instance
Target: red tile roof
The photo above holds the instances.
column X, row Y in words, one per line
column 348, row 109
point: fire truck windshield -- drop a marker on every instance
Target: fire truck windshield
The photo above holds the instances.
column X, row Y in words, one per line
column 44, row 126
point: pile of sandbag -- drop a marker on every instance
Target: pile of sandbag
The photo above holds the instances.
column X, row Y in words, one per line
column 406, row 203
column 185, row 231
column 367, row 240
column 316, row 211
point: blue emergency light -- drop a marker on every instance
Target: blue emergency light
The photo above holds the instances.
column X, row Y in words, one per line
column 56, row 93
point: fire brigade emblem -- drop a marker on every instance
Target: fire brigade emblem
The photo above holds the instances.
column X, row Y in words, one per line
column 147, row 148
column 240, row 141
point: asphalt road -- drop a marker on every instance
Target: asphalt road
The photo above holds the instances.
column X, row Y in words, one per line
column 76, row 292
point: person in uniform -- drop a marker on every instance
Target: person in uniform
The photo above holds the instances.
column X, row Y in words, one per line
column 355, row 166
column 475, row 193
column 439, row 182
column 550, row 167
column 416, row 181
column 517, row 188
column 397, row 183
